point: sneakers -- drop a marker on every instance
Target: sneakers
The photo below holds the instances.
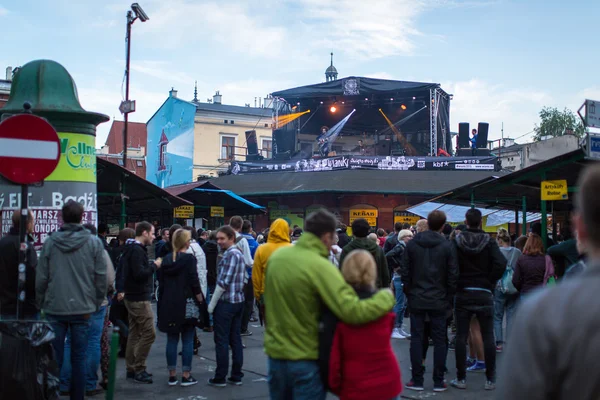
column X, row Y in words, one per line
column 412, row 386
column 246, row 333
column 452, row 344
column 489, row 385
column 189, row 381
column 471, row 362
column 479, row 366
column 130, row 374
column 396, row 334
column 499, row 348
column 462, row 384
column 404, row 333
column 234, row 381
column 440, row 388
column 217, row 382
column 143, row 377
column 173, row 381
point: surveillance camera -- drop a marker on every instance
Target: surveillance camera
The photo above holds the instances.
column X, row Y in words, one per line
column 139, row 12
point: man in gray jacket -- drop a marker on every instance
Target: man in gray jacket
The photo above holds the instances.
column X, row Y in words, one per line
column 555, row 351
column 71, row 286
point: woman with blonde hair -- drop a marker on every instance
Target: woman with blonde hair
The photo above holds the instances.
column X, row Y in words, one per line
column 179, row 292
column 505, row 294
column 362, row 364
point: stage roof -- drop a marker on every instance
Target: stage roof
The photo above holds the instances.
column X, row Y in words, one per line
column 349, row 181
column 364, row 86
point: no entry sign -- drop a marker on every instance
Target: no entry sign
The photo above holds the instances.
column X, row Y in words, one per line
column 29, row 149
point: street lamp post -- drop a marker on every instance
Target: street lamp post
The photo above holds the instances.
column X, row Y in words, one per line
column 127, row 106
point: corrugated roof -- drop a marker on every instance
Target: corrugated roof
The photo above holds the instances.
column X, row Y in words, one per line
column 224, row 108
column 176, row 190
column 350, row 181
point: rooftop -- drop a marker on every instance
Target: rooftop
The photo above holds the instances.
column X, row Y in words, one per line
column 228, row 109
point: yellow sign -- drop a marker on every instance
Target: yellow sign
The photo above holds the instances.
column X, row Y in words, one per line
column 370, row 215
column 77, row 158
column 217, row 211
column 405, row 219
column 186, row 212
column 555, row 190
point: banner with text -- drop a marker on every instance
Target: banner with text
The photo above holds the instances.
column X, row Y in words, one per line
column 401, row 163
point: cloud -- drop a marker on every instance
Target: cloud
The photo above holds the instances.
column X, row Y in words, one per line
column 3, row 11
column 479, row 101
column 162, row 70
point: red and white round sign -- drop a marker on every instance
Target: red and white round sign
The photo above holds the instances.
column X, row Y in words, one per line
column 29, row 149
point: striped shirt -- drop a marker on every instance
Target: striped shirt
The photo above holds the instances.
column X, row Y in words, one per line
column 232, row 271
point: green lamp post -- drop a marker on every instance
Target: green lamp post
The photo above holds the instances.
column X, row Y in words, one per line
column 52, row 93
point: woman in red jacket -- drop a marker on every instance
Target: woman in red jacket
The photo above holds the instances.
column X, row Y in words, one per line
column 362, row 364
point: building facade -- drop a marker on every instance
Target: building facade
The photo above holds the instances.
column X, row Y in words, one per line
column 5, row 85
column 112, row 151
column 191, row 140
column 518, row 156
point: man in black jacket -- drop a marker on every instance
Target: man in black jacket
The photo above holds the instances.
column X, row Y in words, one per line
column 429, row 273
column 138, row 274
column 480, row 264
column 392, row 239
column 9, row 271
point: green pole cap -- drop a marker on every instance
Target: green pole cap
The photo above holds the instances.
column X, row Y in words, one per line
column 52, row 93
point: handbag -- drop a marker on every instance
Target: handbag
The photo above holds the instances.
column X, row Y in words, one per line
column 549, row 275
column 506, row 285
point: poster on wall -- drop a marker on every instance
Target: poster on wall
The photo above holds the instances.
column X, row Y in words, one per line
column 170, row 151
column 291, row 215
column 405, row 217
column 391, row 163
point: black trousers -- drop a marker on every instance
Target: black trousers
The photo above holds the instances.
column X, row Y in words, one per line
column 248, row 305
column 481, row 305
column 438, row 334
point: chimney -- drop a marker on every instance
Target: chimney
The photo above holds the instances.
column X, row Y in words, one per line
column 9, row 73
column 172, row 92
column 217, row 98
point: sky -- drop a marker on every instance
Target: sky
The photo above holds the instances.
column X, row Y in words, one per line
column 503, row 60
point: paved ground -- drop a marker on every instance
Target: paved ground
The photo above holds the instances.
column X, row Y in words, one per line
column 255, row 370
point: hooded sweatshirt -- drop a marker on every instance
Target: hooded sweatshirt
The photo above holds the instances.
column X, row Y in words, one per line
column 383, row 274
column 480, row 261
column 71, row 273
column 278, row 237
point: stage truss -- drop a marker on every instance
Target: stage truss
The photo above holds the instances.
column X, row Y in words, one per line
column 435, row 96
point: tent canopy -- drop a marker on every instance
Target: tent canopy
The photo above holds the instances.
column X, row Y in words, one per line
column 456, row 213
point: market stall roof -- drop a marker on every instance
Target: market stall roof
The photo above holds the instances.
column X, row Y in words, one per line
column 349, row 181
column 204, row 194
column 364, row 86
column 509, row 190
column 456, row 213
column 142, row 196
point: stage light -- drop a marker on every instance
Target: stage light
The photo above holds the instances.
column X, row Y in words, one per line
column 333, row 109
column 414, row 98
column 392, row 99
column 403, row 107
column 294, row 108
column 343, row 102
column 366, row 99
column 433, row 100
column 321, row 102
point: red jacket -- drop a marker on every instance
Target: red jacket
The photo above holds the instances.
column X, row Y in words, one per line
column 381, row 241
column 362, row 363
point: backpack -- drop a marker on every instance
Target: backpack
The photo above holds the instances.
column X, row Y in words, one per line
column 506, row 285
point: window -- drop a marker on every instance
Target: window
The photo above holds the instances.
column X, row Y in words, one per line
column 232, row 122
column 225, row 121
column 140, row 163
column 266, row 125
column 120, row 161
column 227, row 147
column 267, row 148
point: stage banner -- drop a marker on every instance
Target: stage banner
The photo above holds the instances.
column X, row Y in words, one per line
column 400, row 163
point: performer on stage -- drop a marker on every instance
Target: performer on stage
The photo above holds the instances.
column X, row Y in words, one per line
column 323, row 142
column 474, row 141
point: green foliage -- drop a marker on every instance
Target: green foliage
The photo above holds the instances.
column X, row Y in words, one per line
column 557, row 123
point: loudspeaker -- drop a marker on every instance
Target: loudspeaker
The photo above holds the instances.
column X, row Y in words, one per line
column 283, row 141
column 251, row 143
column 463, row 135
column 482, row 135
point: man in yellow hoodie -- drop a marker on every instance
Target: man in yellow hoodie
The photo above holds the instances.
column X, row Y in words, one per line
column 279, row 236
column 300, row 281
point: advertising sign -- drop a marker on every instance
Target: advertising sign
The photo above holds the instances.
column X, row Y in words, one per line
column 369, row 214
column 217, row 211
column 554, row 190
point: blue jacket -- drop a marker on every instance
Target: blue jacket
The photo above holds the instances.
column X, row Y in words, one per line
column 253, row 244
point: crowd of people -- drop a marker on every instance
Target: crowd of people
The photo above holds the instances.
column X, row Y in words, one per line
column 330, row 303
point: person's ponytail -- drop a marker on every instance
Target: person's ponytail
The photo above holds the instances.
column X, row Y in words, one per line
column 180, row 239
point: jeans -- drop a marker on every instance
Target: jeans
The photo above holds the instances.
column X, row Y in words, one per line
column 400, row 305
column 295, row 380
column 480, row 304
column 187, row 348
column 78, row 326
column 438, row 334
column 228, row 324
column 92, row 355
column 141, row 334
column 502, row 303
column 248, row 305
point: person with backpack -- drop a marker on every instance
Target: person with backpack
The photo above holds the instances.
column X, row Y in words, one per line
column 505, row 294
column 195, row 250
column 362, row 364
column 179, row 290
column 248, row 288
